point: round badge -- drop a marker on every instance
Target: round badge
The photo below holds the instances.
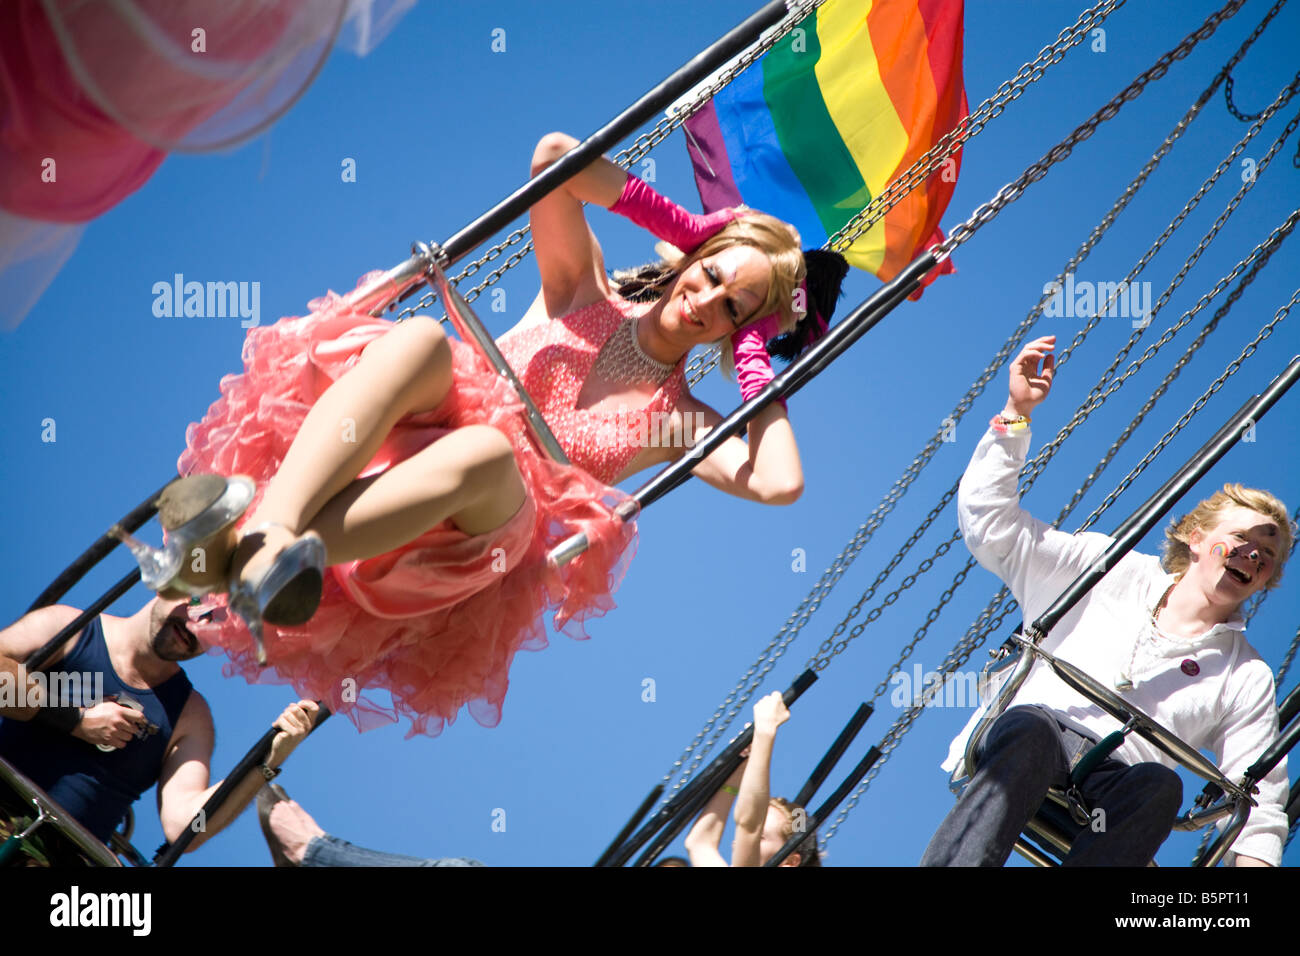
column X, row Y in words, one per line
column 1191, row 668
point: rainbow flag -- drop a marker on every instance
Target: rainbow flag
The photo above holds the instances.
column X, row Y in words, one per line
column 830, row 115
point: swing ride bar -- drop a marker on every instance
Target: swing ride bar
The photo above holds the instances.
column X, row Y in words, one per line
column 631, row 824
column 707, row 782
column 49, row 813
column 886, row 298
column 827, row 764
column 795, row 376
column 403, row 277
column 169, row 853
column 1135, row 528
column 41, row 656
column 826, row 809
column 75, row 571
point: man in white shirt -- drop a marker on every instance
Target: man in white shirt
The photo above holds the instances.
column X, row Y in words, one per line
column 1166, row 634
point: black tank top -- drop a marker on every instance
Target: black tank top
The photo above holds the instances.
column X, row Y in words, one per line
column 95, row 787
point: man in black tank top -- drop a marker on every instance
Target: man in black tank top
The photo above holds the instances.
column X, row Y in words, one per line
column 113, row 713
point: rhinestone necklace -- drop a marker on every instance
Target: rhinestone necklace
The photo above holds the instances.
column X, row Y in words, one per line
column 623, row 360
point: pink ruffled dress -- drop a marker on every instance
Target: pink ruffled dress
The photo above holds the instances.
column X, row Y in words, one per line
column 437, row 622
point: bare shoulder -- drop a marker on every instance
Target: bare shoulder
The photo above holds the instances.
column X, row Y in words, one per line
column 32, row 631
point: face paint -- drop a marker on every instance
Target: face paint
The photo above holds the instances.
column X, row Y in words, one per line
column 1219, row 550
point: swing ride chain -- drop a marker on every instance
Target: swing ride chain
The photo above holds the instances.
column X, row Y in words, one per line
column 1290, row 651
column 1227, row 69
column 1283, row 98
column 976, row 634
column 799, row 11
column 1269, row 246
column 1091, row 404
column 938, row 154
column 639, row 148
column 1258, row 256
column 730, row 706
column 1036, row 171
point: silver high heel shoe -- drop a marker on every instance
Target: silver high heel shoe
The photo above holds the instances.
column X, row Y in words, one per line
column 287, row 593
column 198, row 514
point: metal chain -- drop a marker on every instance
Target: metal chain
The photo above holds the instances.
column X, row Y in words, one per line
column 938, row 154
column 976, row 634
column 926, row 165
column 1036, row 171
column 643, row 144
column 1259, row 256
column 735, row 701
column 1268, row 247
column 1284, row 97
column 1227, row 69
column 1290, row 654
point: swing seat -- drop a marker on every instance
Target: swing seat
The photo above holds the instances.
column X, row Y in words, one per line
column 52, row 821
column 1054, row 825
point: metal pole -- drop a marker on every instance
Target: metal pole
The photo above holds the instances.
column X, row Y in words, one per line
column 842, row 742
column 74, row 572
column 1145, row 518
column 729, row 758
column 635, row 116
column 169, row 853
column 38, row 658
column 1287, row 710
column 628, row 827
column 717, row 775
column 472, row 332
column 860, row 321
column 826, row 809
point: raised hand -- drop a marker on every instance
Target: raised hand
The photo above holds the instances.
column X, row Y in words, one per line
column 1029, row 384
column 770, row 713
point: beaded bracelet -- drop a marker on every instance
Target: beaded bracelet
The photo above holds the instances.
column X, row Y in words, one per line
column 1009, row 426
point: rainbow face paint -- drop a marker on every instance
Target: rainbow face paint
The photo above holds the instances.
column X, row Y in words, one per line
column 1219, row 550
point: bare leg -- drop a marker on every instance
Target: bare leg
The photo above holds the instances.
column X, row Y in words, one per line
column 406, row 370
column 469, row 476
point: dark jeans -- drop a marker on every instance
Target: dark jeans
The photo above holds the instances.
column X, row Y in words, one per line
column 1028, row 750
column 331, row 851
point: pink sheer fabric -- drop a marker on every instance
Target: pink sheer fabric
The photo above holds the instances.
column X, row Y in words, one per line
column 94, row 94
column 437, row 622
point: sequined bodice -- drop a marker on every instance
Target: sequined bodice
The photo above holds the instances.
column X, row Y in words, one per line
column 554, row 359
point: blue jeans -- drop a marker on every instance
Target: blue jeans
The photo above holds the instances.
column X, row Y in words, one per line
column 331, row 851
column 1028, row 750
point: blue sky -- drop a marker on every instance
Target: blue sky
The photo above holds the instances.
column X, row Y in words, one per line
column 441, row 127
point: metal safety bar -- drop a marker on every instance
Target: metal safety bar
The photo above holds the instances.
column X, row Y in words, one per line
column 405, row 277
column 169, row 853
column 706, row 782
column 50, row 814
column 1238, row 800
column 795, row 376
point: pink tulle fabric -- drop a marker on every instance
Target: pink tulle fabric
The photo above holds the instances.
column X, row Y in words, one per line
column 437, row 622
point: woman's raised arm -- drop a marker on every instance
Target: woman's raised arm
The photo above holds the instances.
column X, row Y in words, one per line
column 568, row 256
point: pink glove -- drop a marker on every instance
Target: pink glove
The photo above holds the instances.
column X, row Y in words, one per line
column 753, row 364
column 667, row 220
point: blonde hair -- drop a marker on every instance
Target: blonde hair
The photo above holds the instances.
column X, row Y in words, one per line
column 1177, row 552
column 809, row 855
column 777, row 240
